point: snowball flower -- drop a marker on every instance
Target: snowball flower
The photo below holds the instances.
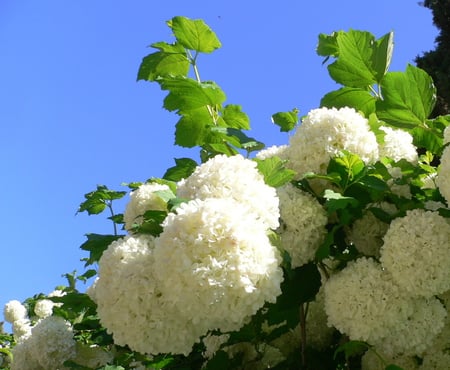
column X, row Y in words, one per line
column 52, row 342
column 325, row 132
column 44, row 308
column 273, row 151
column 416, row 252
column 236, row 178
column 216, row 264
column 447, row 135
column 413, row 335
column 14, row 310
column 303, row 224
column 443, row 177
column 398, row 144
column 363, row 302
column 49, row 345
column 144, row 198
column 131, row 305
column 436, row 361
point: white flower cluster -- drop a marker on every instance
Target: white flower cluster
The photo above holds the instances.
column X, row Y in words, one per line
column 233, row 178
column 143, row 199
column 47, row 347
column 415, row 252
column 367, row 232
column 273, row 151
column 443, row 177
column 303, row 221
column 212, row 267
column 397, row 145
column 325, row 132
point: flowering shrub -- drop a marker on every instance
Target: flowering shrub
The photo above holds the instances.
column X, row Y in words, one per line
column 328, row 252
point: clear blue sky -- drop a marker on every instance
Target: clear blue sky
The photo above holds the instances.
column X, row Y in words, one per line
column 73, row 116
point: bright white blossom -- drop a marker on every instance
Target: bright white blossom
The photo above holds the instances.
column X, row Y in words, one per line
column 50, row 344
column 143, row 199
column 235, row 178
column 216, row 264
column 363, row 302
column 14, row 310
column 413, row 335
column 367, row 232
column 438, row 360
column 21, row 329
column 303, row 221
column 44, row 308
column 443, row 177
column 131, row 305
column 273, row 151
column 416, row 252
column 398, row 144
column 447, row 135
column 325, row 132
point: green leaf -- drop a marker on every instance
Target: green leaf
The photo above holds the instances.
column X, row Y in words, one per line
column 286, row 120
column 191, row 131
column 351, row 348
column 236, row 138
column 235, row 118
column 408, row 98
column 151, row 223
column 186, row 94
column 349, row 167
column 171, row 60
column 194, row 34
column 220, row 361
column 428, row 138
column 96, row 244
column 274, row 172
column 337, row 201
column 382, row 55
column 97, row 200
column 393, row 367
column 357, row 98
column 327, row 45
column 353, row 67
column 183, row 168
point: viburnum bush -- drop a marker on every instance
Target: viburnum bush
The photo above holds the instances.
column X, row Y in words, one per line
column 329, row 252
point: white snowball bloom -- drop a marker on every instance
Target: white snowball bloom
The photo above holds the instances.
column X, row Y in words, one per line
column 44, row 308
column 143, row 199
column 236, row 178
column 131, row 305
column 92, row 356
column 438, row 360
column 14, row 310
column 213, row 343
column 398, row 144
column 443, row 177
column 21, row 329
column 447, row 135
column 216, row 264
column 273, row 151
column 324, row 133
column 416, row 252
column 368, row 231
column 363, row 302
column 303, row 221
column 51, row 343
column 413, row 335
column 23, row 359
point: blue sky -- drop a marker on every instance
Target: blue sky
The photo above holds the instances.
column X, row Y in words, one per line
column 73, row 116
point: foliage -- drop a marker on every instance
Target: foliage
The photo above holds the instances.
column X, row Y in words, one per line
column 278, row 335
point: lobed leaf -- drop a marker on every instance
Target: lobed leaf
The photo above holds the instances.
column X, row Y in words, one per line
column 194, row 34
column 286, row 120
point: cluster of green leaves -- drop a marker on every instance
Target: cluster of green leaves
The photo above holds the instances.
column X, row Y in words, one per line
column 398, row 99
column 204, row 119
